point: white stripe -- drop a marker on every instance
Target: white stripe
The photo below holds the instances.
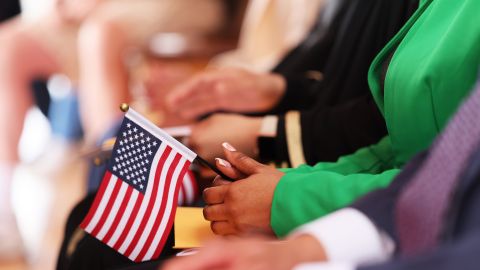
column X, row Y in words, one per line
column 145, row 202
column 123, row 222
column 188, row 185
column 113, row 211
column 160, row 133
column 156, row 207
column 133, row 200
column 102, row 205
column 165, row 219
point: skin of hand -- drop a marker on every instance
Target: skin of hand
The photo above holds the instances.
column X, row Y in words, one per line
column 252, row 253
column 231, row 90
column 207, row 135
column 242, row 206
column 74, row 10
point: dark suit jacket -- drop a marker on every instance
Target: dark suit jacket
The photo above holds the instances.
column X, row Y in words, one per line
column 338, row 114
column 460, row 243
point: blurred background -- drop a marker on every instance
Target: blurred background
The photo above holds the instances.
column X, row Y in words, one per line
column 47, row 172
column 66, row 65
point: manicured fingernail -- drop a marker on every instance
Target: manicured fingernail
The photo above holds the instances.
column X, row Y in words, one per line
column 229, row 147
column 224, row 163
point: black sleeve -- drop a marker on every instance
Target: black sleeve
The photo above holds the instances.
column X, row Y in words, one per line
column 330, row 132
column 300, row 94
column 8, row 9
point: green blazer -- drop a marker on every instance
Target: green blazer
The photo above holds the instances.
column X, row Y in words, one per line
column 434, row 63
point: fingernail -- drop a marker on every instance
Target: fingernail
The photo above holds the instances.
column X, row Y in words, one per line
column 224, row 163
column 229, row 147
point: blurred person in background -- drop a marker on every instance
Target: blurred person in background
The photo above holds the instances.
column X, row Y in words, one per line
column 269, row 30
column 317, row 101
column 39, row 44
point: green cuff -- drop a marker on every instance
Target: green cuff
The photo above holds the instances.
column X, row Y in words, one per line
column 303, row 197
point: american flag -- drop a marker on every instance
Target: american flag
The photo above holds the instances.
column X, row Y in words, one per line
column 134, row 208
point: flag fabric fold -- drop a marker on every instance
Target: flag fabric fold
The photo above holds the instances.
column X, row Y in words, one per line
column 147, row 175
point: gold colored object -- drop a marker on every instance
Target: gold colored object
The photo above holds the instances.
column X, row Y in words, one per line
column 124, row 107
column 97, row 161
column 294, row 138
column 74, row 240
column 191, row 228
column 314, row 75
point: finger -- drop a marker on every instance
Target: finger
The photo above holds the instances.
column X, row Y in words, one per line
column 204, row 260
column 185, row 91
column 227, row 168
column 198, row 106
column 219, row 181
column 216, row 212
column 222, row 228
column 240, row 161
column 215, row 195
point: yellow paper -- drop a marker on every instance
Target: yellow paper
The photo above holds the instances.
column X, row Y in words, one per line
column 191, row 229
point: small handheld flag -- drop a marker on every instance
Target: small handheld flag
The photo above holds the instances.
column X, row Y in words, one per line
column 135, row 206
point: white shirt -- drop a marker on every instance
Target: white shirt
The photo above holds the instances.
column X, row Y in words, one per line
column 349, row 239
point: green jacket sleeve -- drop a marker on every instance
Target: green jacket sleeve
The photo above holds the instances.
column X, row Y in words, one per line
column 306, row 193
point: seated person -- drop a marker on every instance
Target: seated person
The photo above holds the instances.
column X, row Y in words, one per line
column 107, row 88
column 416, row 103
column 316, row 118
column 427, row 219
column 270, row 201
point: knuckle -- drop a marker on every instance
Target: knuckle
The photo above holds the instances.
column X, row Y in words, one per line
column 240, row 157
column 207, row 195
column 207, row 213
column 215, row 227
column 233, row 207
column 230, row 195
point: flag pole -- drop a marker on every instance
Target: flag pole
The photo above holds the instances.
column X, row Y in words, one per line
column 124, row 107
column 213, row 168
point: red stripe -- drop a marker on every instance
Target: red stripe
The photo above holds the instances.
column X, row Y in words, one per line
column 151, row 202
column 138, row 204
column 119, row 215
column 129, row 224
column 98, row 198
column 168, row 228
column 108, row 208
column 163, row 204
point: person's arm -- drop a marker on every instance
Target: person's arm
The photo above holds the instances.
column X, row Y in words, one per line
column 75, row 11
column 300, row 92
column 347, row 235
column 266, row 199
column 382, row 214
column 460, row 254
column 306, row 193
column 364, row 233
column 324, row 133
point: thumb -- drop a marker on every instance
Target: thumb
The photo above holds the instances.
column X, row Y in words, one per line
column 240, row 161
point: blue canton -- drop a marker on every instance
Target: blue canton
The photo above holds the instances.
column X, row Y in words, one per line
column 133, row 155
